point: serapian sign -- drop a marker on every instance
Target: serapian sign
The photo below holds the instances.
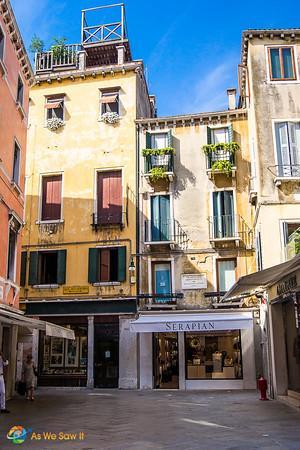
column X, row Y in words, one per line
column 190, row 326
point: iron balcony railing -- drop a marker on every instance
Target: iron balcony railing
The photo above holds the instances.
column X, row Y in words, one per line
column 164, row 161
column 229, row 227
column 156, row 300
column 165, row 231
column 220, row 155
column 62, row 59
column 109, row 219
column 214, row 297
column 288, row 171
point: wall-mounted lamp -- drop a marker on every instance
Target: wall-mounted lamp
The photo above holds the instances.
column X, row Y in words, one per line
column 131, row 264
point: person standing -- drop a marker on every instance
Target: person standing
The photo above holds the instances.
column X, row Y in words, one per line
column 3, row 363
column 29, row 374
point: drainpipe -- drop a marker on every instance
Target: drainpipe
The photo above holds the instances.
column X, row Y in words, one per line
column 137, row 211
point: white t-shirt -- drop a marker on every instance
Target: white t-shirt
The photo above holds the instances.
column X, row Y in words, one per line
column 2, row 364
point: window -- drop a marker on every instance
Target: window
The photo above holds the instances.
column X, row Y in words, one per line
column 12, row 248
column 20, row 91
column 16, row 164
column 109, row 102
column 226, row 274
column 51, row 197
column 14, row 228
column 220, row 135
column 65, row 356
column 109, row 197
column 258, row 251
column 54, row 108
column 213, row 356
column 161, row 224
column 223, row 214
column 159, row 140
column 107, row 265
column 282, row 65
column 288, row 148
column 47, row 267
column 1, row 44
column 161, row 276
column 291, row 234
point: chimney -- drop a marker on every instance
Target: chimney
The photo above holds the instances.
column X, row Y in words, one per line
column 231, row 93
column 121, row 54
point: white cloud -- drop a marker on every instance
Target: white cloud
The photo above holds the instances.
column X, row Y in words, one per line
column 208, row 92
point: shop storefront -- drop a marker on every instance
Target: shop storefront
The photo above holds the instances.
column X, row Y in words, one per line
column 203, row 350
column 278, row 290
column 102, row 353
column 284, row 311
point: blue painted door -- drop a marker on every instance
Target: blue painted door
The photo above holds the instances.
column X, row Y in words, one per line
column 162, row 274
column 160, row 218
column 223, row 220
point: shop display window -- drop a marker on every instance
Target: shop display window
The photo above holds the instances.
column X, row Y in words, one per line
column 213, row 356
column 62, row 356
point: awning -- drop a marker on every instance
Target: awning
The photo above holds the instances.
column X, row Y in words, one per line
column 109, row 98
column 262, row 279
column 163, row 323
column 13, row 316
column 53, row 105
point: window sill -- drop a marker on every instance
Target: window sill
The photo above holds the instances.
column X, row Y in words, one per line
column 48, row 222
column 20, row 109
column 107, row 283
column 279, row 180
column 16, row 187
column 45, row 286
column 3, row 69
column 283, row 81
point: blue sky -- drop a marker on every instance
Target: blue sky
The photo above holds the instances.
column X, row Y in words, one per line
column 190, row 49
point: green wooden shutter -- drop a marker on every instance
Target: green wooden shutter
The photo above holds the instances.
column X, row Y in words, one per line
column 93, row 275
column 61, row 266
column 230, row 133
column 148, row 140
column 33, row 268
column 23, row 268
column 121, row 263
column 170, row 139
column 209, row 136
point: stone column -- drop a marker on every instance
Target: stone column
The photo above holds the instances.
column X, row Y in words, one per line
column 278, row 350
column 82, row 60
column 12, row 358
column 146, row 358
column 248, row 358
column 90, row 366
column 127, row 355
column 121, row 54
column 181, row 361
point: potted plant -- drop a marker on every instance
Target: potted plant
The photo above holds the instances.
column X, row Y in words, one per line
column 55, row 123
column 110, row 117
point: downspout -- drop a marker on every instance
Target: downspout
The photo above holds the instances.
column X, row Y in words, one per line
column 137, row 211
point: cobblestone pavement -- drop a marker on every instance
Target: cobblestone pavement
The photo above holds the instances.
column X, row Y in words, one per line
column 134, row 420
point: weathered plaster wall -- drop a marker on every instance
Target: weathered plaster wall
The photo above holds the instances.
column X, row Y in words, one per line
column 83, row 145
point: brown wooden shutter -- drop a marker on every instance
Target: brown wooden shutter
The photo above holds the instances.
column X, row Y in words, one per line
column 104, row 265
column 109, row 200
column 51, row 197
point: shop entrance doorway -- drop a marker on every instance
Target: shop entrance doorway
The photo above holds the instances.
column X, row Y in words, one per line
column 106, row 363
column 166, row 368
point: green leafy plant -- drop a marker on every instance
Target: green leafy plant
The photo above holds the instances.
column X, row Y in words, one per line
column 58, row 47
column 222, row 166
column 228, row 147
column 158, row 151
column 36, row 45
column 157, row 173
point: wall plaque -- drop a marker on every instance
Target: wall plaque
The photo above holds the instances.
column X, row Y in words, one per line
column 193, row 281
column 75, row 289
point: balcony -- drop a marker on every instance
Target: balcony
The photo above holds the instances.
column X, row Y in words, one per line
column 159, row 301
column 165, row 233
column 65, row 58
column 159, row 167
column 285, row 173
column 109, row 220
column 230, row 229
column 221, row 159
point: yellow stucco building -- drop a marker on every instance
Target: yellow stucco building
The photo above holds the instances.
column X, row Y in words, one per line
column 80, row 225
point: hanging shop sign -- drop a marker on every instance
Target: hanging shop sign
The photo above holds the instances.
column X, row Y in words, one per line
column 193, row 281
column 75, row 289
